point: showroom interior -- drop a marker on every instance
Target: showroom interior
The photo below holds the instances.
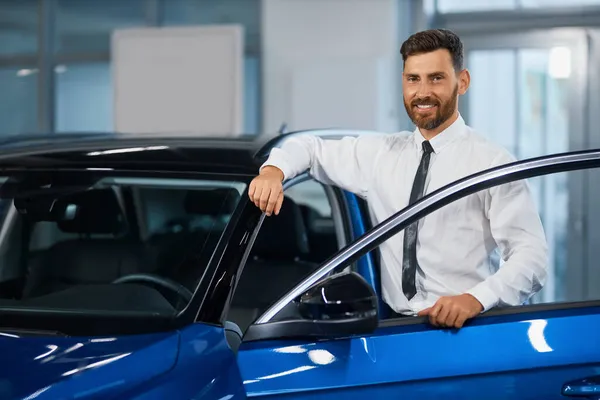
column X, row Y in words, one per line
column 309, row 64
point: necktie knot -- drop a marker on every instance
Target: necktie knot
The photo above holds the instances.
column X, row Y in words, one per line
column 427, row 148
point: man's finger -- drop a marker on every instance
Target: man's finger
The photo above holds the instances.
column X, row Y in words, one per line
column 264, row 198
column 252, row 189
column 272, row 202
column 433, row 314
column 424, row 312
column 279, row 203
column 443, row 315
column 451, row 317
column 256, row 196
column 460, row 320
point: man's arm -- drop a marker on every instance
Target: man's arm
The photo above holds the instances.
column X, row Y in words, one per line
column 517, row 229
column 347, row 163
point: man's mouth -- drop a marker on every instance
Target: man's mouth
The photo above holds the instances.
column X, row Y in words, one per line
column 424, row 107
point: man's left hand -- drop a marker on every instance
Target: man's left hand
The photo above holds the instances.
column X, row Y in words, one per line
column 452, row 311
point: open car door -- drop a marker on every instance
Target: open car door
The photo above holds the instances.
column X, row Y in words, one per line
column 325, row 338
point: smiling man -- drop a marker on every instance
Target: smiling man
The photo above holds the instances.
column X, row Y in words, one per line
column 441, row 267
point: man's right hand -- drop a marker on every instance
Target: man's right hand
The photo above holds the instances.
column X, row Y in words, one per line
column 266, row 190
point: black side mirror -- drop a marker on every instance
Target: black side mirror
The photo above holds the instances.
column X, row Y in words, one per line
column 346, row 296
column 340, row 305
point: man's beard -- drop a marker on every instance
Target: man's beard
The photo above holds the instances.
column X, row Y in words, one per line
column 444, row 111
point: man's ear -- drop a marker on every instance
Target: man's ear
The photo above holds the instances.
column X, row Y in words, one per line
column 464, row 80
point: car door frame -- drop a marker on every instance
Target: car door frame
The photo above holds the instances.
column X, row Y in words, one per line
column 259, row 333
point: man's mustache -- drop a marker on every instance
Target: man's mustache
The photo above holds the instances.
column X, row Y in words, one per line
column 424, row 101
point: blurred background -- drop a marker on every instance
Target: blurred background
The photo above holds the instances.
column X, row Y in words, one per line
column 249, row 67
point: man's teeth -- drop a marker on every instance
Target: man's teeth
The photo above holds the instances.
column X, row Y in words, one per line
column 425, row 106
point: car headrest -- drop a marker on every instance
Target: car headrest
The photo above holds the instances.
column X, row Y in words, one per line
column 214, row 202
column 309, row 215
column 282, row 236
column 96, row 212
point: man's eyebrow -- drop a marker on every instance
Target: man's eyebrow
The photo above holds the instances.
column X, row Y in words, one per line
column 438, row 73
column 431, row 74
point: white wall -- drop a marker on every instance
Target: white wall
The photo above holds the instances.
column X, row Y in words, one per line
column 183, row 80
column 330, row 63
column 84, row 99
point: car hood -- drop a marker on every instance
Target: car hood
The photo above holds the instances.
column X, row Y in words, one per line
column 47, row 367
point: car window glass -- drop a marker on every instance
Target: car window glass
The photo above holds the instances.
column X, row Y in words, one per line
column 67, row 248
column 288, row 248
column 316, row 210
column 311, row 193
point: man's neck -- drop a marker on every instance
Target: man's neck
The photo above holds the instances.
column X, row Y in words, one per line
column 430, row 134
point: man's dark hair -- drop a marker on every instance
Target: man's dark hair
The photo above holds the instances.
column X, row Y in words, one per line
column 432, row 40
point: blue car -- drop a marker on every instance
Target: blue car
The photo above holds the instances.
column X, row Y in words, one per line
column 135, row 267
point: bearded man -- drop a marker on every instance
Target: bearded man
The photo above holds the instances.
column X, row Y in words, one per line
column 441, row 266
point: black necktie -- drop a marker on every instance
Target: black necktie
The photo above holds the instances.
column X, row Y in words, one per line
column 409, row 259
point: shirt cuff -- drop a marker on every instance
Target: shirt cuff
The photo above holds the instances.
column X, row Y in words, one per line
column 485, row 296
column 277, row 160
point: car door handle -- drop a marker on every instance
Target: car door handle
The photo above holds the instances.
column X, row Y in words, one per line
column 587, row 388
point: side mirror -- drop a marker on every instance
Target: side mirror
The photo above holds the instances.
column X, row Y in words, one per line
column 340, row 305
column 342, row 297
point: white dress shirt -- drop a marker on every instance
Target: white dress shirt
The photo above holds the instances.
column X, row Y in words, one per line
column 456, row 242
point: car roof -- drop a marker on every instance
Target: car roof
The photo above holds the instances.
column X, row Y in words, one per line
column 131, row 151
column 147, row 152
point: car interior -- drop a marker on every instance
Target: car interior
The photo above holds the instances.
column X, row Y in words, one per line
column 70, row 258
column 158, row 237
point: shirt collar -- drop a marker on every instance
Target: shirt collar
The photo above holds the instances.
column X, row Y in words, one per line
column 443, row 138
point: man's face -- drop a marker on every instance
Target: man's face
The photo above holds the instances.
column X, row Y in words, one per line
column 431, row 87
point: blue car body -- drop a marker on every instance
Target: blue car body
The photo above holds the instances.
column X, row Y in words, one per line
column 419, row 362
column 195, row 362
column 533, row 352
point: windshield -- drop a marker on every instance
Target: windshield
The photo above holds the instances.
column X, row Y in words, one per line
column 95, row 243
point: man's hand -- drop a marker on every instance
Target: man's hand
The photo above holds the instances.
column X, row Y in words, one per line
column 452, row 311
column 266, row 190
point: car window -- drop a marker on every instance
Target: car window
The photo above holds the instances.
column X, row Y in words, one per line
column 316, row 210
column 565, row 203
column 288, row 248
column 81, row 247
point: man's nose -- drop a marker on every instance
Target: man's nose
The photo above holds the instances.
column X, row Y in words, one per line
column 423, row 89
